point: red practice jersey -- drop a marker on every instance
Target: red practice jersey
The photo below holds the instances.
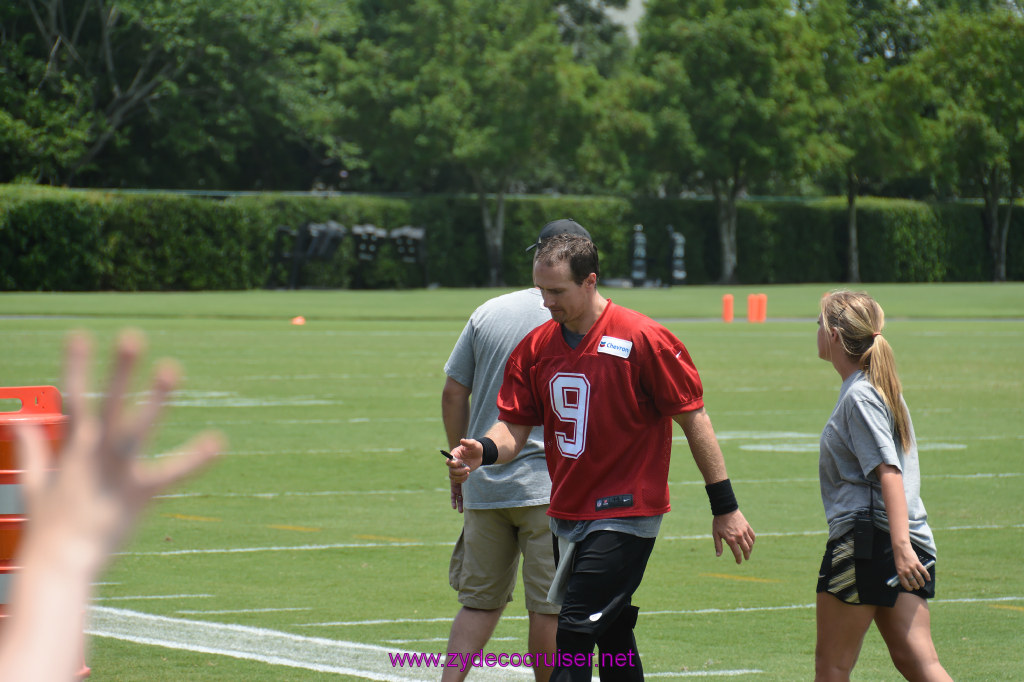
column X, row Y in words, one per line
column 607, row 409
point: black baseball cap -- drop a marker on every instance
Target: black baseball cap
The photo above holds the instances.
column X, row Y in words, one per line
column 561, row 226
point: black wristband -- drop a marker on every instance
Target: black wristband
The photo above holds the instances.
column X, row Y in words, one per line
column 490, row 451
column 721, row 497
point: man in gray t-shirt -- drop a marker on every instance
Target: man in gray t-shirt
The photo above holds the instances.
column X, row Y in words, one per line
column 505, row 507
column 477, row 365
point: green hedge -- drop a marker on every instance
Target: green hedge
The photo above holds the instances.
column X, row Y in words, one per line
column 50, row 239
column 73, row 240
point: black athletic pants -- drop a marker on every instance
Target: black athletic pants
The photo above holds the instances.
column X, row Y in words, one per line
column 607, row 569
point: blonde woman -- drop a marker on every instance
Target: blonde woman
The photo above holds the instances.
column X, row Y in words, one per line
column 870, row 486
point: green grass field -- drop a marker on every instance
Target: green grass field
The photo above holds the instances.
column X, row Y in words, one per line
column 327, row 527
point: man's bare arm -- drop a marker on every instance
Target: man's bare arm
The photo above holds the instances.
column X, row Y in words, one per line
column 455, row 411
column 455, row 416
column 732, row 527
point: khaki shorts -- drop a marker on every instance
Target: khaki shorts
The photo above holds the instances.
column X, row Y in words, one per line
column 486, row 558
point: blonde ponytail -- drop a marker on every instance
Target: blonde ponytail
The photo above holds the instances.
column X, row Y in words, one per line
column 859, row 320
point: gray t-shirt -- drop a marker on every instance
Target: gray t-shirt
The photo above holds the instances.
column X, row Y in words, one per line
column 575, row 531
column 858, row 437
column 478, row 361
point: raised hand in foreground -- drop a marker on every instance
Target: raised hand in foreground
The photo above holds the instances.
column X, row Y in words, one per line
column 82, row 505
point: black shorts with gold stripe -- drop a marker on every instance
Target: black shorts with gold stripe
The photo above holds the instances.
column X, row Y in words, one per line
column 862, row 581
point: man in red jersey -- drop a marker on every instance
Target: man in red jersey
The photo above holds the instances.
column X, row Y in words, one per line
column 606, row 383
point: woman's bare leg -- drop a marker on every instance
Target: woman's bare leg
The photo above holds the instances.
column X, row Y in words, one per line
column 841, row 629
column 907, row 631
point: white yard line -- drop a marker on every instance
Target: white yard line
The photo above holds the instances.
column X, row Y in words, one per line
column 383, row 545
column 433, row 491
column 156, row 596
column 315, row 493
column 707, row 673
column 286, row 649
column 268, row 646
column 824, row 531
column 194, row 612
column 644, row 613
column 289, row 548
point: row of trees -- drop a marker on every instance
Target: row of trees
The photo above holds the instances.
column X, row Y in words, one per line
column 720, row 97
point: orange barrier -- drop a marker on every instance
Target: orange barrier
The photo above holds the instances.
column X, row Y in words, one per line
column 757, row 307
column 41, row 406
column 762, row 307
column 727, row 308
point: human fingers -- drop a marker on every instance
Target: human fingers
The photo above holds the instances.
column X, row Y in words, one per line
column 77, row 353
column 455, row 464
column 470, row 452
column 458, row 467
column 32, row 453
column 457, row 497
column 742, row 546
column 458, row 472
column 165, row 380
column 128, row 349
column 181, row 464
column 917, row 576
column 744, row 541
column 736, row 532
column 738, row 550
column 910, row 582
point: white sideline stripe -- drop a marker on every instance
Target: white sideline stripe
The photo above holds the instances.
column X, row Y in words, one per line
column 157, row 596
column 808, row 479
column 321, row 493
column 369, row 545
column 989, row 527
column 741, row 609
column 797, row 435
column 325, row 377
column 682, row 612
column 293, row 548
column 194, row 612
column 267, row 646
column 388, row 621
column 708, row 673
column 286, row 451
column 787, row 534
column 813, row 447
column 972, row 600
column 252, row 402
column 352, row 420
column 1005, row 474
column 803, row 533
column 751, row 481
column 758, row 435
column 444, row 639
